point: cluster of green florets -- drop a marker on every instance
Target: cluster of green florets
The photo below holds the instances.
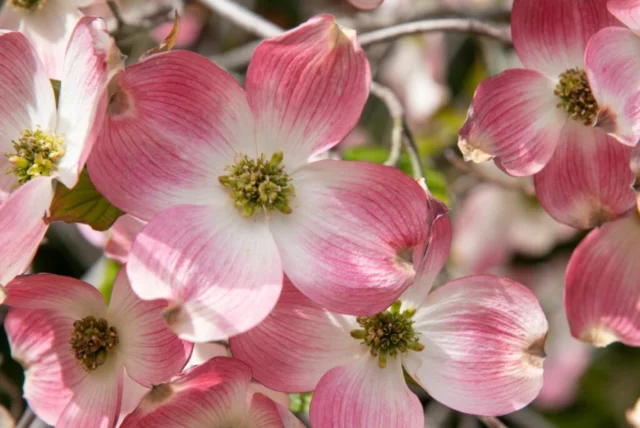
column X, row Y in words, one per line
column 389, row 333
column 258, row 184
column 91, row 341
column 576, row 97
column 36, row 153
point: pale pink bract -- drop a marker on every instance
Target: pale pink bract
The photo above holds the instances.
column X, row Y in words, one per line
column 602, row 288
column 612, row 66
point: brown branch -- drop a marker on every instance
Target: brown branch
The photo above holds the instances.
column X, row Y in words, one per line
column 492, row 422
column 399, row 132
column 457, row 25
column 240, row 56
column 243, row 17
column 460, row 164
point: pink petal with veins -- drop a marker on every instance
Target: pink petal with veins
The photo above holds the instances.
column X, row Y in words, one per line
column 602, row 291
column 550, row 36
column 307, row 89
column 483, row 340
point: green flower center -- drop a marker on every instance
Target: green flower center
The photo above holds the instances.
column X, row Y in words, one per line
column 389, row 333
column 91, row 341
column 576, row 97
column 28, row 4
column 36, row 153
column 259, row 184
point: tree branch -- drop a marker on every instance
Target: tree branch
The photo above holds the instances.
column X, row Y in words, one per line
column 459, row 25
column 399, row 130
column 491, row 422
column 243, row 17
column 460, row 164
column 396, row 111
column 256, row 24
column 113, row 7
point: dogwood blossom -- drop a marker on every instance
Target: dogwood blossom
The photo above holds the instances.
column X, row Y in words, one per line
column 77, row 351
column 48, row 24
column 475, row 344
column 40, row 143
column 222, row 176
column 540, row 120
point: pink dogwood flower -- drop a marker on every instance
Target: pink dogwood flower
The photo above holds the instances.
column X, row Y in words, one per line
column 540, row 120
column 602, row 288
column 39, row 143
column 612, row 66
column 475, row 344
column 77, row 351
column 48, row 24
column 222, row 176
column 214, row 394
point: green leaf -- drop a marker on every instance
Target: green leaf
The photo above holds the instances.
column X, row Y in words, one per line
column 111, row 270
column 299, row 403
column 437, row 183
column 367, row 153
column 83, row 204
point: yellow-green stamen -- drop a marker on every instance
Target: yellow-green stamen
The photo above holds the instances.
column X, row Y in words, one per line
column 36, row 153
column 91, row 341
column 389, row 333
column 256, row 184
column 576, row 97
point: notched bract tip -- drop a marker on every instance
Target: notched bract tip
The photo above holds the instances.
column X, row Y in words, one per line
column 599, row 336
column 472, row 153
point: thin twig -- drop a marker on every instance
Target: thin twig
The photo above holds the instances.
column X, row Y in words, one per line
column 527, row 417
column 399, row 130
column 243, row 17
column 396, row 111
column 116, row 13
column 492, row 422
column 460, row 164
column 27, row 418
column 412, row 150
column 459, row 25
column 13, row 390
column 237, row 57
column 240, row 56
